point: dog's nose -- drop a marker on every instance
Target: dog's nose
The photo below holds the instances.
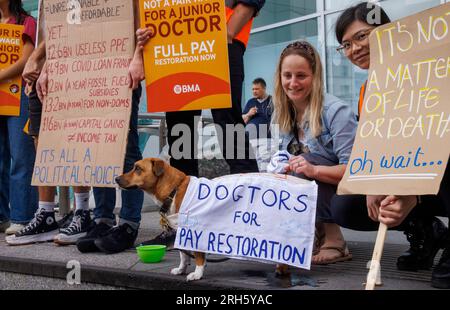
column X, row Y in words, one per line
column 117, row 180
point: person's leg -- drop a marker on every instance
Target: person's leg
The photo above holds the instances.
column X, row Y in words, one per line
column 184, row 123
column 233, row 116
column 5, row 166
column 132, row 200
column 350, row 211
column 43, row 226
column 123, row 236
column 23, row 197
column 440, row 278
column 332, row 246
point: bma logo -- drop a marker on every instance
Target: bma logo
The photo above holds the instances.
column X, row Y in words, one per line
column 185, row 89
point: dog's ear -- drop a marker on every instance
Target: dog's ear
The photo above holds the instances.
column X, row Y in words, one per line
column 158, row 167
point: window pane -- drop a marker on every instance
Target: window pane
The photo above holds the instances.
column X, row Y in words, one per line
column 264, row 50
column 275, row 11
column 331, row 5
column 287, row 33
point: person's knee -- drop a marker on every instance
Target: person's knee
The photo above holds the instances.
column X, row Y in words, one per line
column 340, row 211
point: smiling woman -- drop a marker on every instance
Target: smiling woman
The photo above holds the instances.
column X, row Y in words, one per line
column 318, row 130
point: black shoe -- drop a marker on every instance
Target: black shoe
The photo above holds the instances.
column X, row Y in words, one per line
column 86, row 244
column 118, row 239
column 41, row 228
column 66, row 220
column 77, row 228
column 426, row 237
column 166, row 238
column 440, row 278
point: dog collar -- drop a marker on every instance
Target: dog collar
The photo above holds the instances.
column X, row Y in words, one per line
column 167, row 202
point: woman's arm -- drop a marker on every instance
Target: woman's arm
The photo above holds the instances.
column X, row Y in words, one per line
column 16, row 68
column 326, row 174
column 330, row 174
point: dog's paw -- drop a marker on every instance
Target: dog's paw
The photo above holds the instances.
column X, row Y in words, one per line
column 178, row 271
column 194, row 276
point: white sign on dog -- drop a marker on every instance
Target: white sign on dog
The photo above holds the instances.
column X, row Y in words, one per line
column 264, row 217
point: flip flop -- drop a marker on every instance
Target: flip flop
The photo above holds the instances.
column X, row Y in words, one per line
column 344, row 255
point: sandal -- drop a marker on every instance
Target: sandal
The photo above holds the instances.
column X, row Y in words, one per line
column 343, row 251
column 319, row 238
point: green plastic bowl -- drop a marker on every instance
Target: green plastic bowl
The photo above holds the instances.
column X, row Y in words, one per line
column 151, row 253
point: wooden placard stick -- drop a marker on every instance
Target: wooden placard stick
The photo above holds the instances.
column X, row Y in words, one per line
column 374, row 275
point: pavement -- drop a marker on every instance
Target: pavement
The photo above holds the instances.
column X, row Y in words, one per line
column 124, row 270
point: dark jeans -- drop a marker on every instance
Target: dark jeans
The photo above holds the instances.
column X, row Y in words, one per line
column 350, row 211
column 132, row 200
column 221, row 117
column 17, row 155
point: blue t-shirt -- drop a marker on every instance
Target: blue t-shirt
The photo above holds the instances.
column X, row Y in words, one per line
column 262, row 117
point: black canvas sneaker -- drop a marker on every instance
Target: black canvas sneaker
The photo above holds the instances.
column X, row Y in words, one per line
column 77, row 228
column 41, row 228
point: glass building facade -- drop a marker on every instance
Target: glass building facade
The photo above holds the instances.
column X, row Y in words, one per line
column 283, row 21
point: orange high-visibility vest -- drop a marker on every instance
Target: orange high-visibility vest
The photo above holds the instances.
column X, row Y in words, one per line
column 244, row 35
column 362, row 91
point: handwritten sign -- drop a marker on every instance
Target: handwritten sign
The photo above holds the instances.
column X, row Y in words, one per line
column 403, row 141
column 86, row 115
column 186, row 60
column 10, row 51
column 263, row 217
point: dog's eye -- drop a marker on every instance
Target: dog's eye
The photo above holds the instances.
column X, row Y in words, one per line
column 138, row 170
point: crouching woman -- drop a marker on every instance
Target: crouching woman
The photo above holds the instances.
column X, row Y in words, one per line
column 318, row 130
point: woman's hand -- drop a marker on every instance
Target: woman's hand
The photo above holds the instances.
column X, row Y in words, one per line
column 394, row 209
column 373, row 206
column 300, row 165
column 143, row 35
column 41, row 84
column 136, row 70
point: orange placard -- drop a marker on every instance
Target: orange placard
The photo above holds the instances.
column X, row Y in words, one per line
column 10, row 51
column 186, row 60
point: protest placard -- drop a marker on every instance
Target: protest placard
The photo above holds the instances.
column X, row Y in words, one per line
column 402, row 145
column 11, row 45
column 262, row 217
column 86, row 114
column 186, row 59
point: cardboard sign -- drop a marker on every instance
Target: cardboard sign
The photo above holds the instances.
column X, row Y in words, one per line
column 186, row 60
column 263, row 217
column 86, row 114
column 11, row 45
column 403, row 141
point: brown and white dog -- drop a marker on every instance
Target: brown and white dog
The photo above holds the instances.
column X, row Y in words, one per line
column 168, row 185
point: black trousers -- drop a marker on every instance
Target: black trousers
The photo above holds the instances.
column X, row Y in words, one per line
column 350, row 211
column 222, row 118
